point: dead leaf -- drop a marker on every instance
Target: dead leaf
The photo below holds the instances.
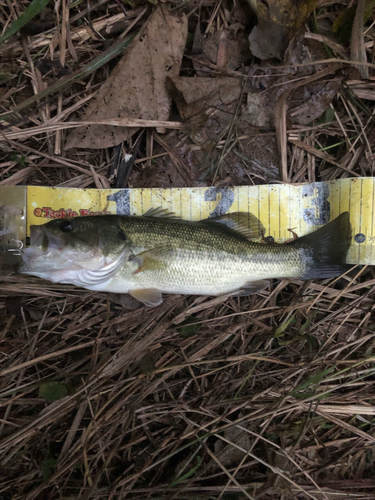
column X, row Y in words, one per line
column 289, row 13
column 193, row 96
column 258, row 110
column 309, row 101
column 227, row 48
column 209, row 105
column 278, row 20
column 230, row 454
column 14, row 305
column 336, row 47
column 315, row 99
column 302, row 51
column 269, row 40
column 136, row 87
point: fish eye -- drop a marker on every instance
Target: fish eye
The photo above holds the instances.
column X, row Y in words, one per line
column 66, row 226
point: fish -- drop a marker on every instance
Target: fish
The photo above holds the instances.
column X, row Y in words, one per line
column 158, row 253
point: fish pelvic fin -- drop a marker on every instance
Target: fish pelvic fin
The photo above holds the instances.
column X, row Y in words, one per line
column 151, row 297
column 325, row 250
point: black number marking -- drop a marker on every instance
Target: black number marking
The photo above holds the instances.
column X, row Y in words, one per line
column 122, row 199
column 321, row 213
column 227, row 198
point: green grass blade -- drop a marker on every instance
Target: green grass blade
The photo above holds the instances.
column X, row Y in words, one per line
column 315, row 379
column 188, row 474
column 281, row 329
column 32, row 10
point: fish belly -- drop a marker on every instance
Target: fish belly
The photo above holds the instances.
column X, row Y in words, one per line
column 205, row 273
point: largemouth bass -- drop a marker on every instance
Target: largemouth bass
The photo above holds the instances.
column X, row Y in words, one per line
column 157, row 253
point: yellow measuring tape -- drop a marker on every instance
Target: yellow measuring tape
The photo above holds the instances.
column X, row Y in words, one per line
column 279, row 207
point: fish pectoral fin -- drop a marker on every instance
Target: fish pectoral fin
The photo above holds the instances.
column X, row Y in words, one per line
column 242, row 223
column 149, row 296
column 154, row 258
column 251, row 287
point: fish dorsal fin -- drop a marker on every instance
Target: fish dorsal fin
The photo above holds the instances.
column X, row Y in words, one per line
column 149, row 296
column 160, row 212
column 243, row 223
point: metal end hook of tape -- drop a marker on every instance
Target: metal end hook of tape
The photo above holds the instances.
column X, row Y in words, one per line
column 18, row 250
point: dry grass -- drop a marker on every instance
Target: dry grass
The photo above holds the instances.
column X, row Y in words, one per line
column 266, row 397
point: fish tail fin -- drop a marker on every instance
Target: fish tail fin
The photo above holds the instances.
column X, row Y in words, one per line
column 325, row 250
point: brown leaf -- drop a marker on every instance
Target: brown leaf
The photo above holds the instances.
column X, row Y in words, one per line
column 136, row 88
column 194, row 95
column 230, row 454
column 227, row 48
column 309, row 101
column 258, row 110
column 268, row 40
column 315, row 101
column 278, row 20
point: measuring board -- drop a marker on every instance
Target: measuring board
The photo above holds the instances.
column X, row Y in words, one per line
column 280, row 207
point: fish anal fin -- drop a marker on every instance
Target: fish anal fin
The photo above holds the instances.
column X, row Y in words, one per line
column 251, row 287
column 243, row 223
column 149, row 296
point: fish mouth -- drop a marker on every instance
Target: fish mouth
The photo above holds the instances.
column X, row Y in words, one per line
column 39, row 238
column 44, row 253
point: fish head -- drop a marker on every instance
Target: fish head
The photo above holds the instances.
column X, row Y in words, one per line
column 71, row 250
